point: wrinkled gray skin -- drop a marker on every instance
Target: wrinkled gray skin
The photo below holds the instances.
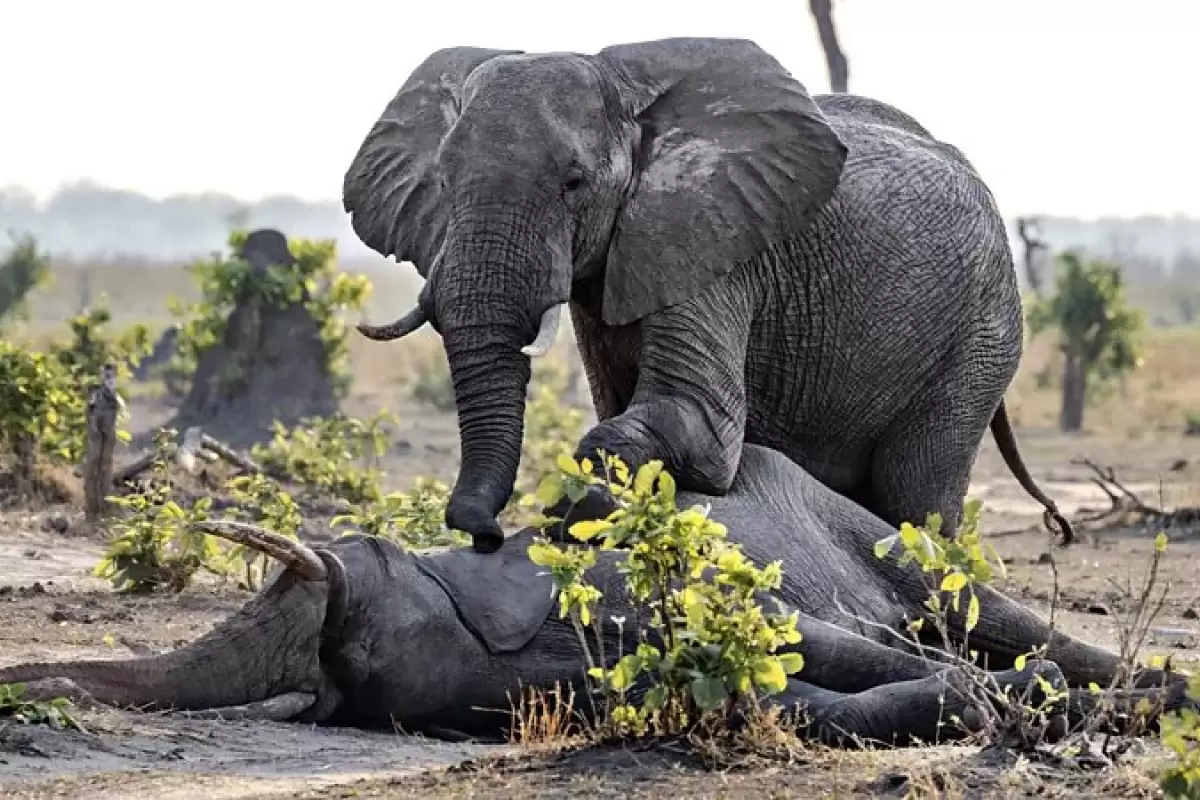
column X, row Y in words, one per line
column 429, row 640
column 743, row 263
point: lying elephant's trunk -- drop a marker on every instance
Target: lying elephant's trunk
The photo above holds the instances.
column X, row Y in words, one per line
column 237, row 662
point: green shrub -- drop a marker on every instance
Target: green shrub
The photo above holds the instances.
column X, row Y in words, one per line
column 711, row 644
column 431, row 383
column 1180, row 734
column 333, row 455
column 56, row 713
column 263, row 501
column 414, row 519
column 91, row 346
column 155, row 546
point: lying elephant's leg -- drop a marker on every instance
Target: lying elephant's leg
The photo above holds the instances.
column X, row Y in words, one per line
column 1007, row 629
column 939, row 707
column 1122, row 710
column 843, row 661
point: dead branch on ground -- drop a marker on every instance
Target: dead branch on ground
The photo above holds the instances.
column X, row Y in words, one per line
column 1126, row 507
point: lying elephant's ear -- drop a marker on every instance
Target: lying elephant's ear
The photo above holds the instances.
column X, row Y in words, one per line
column 735, row 158
column 502, row 597
column 390, row 190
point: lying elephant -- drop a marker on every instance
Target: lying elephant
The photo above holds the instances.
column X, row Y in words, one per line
column 361, row 633
column 744, row 262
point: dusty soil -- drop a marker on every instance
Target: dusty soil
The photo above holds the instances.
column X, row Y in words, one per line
column 51, row 607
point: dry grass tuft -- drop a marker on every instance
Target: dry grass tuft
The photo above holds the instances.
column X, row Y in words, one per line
column 546, row 719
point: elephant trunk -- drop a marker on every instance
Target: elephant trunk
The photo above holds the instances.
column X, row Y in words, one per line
column 487, row 315
column 269, row 647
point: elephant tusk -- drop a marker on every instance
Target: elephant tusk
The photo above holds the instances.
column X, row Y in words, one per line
column 547, row 332
column 299, row 558
column 400, row 328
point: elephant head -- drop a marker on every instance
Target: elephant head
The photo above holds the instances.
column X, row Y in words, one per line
column 338, row 633
column 626, row 181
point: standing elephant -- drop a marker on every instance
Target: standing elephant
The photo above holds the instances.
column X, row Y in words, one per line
column 743, row 263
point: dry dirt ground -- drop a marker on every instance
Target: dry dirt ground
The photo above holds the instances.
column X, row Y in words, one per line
column 52, row 608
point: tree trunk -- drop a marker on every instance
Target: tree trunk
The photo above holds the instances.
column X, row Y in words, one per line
column 102, row 406
column 1074, row 393
column 835, row 59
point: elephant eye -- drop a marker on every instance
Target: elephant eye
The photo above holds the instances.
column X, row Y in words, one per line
column 574, row 181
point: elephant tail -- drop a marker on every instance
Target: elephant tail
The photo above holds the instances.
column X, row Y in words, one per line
column 1002, row 431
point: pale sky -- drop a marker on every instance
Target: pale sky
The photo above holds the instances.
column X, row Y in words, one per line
column 1079, row 107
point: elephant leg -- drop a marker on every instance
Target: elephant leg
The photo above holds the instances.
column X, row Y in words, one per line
column 688, row 408
column 841, row 660
column 1007, row 629
column 1125, row 710
column 939, row 707
column 922, row 463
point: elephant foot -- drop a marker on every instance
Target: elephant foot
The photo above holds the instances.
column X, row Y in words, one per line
column 598, row 503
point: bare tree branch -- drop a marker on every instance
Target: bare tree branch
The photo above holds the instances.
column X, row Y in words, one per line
column 835, row 59
column 1028, row 230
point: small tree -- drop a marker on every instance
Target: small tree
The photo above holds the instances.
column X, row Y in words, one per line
column 1098, row 331
column 21, row 271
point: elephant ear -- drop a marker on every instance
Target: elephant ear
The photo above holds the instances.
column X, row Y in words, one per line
column 390, row 190
column 502, row 597
column 735, row 157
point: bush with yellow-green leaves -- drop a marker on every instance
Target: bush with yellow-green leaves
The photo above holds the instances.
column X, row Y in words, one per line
column 709, row 643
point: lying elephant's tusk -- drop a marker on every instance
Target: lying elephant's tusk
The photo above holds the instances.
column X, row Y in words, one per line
column 400, row 328
column 297, row 557
column 280, row 708
column 547, row 332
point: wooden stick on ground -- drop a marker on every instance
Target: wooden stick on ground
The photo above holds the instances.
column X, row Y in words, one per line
column 195, row 445
column 102, row 406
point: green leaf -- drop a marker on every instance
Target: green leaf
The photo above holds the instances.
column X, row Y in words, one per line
column 589, row 529
column 1019, row 663
column 708, row 692
column 972, row 613
column 625, row 672
column 654, row 699
column 550, row 490
column 769, row 675
column 791, row 662
column 885, row 545
column 643, row 483
column 953, row 582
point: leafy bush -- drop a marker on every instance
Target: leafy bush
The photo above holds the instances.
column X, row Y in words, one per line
column 276, row 511
column 42, row 408
column 91, row 346
column 314, row 280
column 552, row 428
column 1180, row 734
column 414, row 519
column 951, row 566
column 22, row 270
column 431, row 383
column 156, row 546
column 56, row 713
column 334, row 455
column 43, row 394
column 961, row 562
column 710, row 644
